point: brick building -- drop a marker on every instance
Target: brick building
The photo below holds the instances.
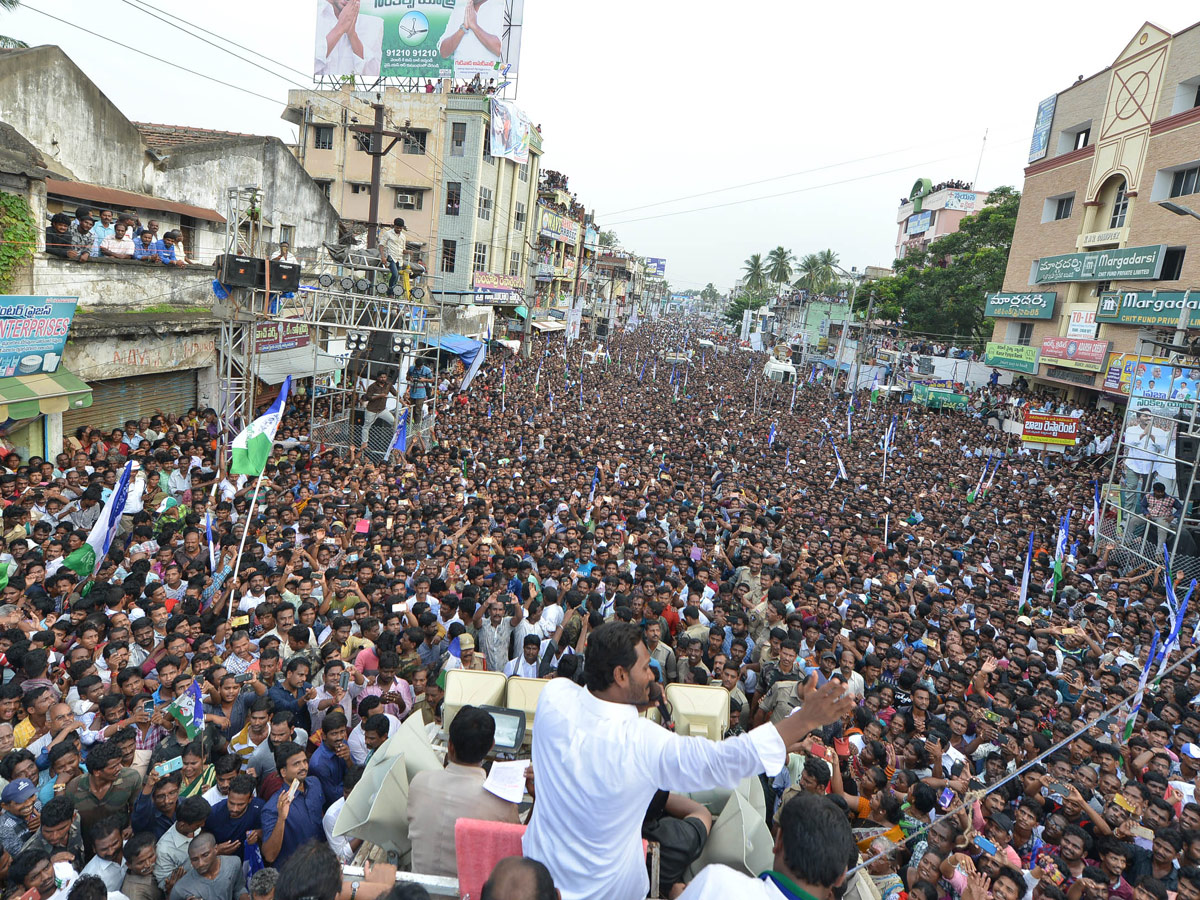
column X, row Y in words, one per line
column 1103, row 251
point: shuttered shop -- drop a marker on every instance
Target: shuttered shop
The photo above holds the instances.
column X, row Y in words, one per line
column 131, row 398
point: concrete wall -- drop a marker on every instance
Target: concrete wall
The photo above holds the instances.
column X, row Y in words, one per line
column 122, row 286
column 47, row 98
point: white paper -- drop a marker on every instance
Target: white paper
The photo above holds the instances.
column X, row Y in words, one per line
column 507, row 779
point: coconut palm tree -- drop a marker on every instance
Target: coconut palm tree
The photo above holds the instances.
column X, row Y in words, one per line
column 756, row 273
column 817, row 272
column 779, row 266
column 9, row 43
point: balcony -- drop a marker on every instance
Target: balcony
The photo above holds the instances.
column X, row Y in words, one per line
column 117, row 285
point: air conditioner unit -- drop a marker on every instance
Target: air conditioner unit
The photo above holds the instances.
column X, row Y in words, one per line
column 406, row 199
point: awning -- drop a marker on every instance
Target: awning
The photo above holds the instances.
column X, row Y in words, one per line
column 302, row 362
column 25, row 396
column 78, row 190
column 471, row 352
column 550, row 326
column 521, row 312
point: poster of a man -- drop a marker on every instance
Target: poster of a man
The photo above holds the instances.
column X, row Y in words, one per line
column 473, row 35
column 348, row 42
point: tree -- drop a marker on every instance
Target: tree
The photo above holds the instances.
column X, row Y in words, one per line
column 817, row 272
column 710, row 293
column 9, row 43
column 744, row 301
column 608, row 238
column 756, row 273
column 779, row 266
column 941, row 290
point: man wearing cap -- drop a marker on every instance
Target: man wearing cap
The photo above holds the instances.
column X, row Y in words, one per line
column 20, row 818
column 467, row 658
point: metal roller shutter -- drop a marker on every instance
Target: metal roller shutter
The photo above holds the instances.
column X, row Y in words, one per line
column 130, row 398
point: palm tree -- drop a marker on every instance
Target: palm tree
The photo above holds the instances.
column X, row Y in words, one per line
column 8, row 43
column 710, row 293
column 779, row 266
column 756, row 273
column 817, row 272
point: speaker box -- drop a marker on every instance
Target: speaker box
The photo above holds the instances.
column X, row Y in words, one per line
column 284, row 276
column 240, row 271
column 1186, row 447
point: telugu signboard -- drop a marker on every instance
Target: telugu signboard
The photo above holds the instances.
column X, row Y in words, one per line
column 1151, row 383
column 270, row 337
column 1040, row 145
column 1034, row 305
column 1076, row 353
column 1040, row 428
column 491, row 281
column 919, row 223
column 33, row 333
column 1153, row 308
column 510, row 131
column 964, row 200
column 1016, row 357
column 1102, row 265
column 418, row 39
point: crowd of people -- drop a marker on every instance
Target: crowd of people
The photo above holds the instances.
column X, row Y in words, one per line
column 89, row 236
column 613, row 526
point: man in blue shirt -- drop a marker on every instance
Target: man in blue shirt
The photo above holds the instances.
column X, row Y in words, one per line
column 291, row 820
column 291, row 695
column 420, row 378
column 165, row 250
column 237, row 820
column 330, row 760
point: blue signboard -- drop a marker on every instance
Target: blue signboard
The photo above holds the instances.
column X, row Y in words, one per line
column 1040, row 145
column 919, row 223
column 656, row 267
column 33, row 333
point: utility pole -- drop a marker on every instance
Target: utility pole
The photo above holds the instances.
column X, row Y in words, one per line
column 377, row 152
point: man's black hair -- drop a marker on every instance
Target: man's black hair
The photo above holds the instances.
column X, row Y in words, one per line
column 817, row 840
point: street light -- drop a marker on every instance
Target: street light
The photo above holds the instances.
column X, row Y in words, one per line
column 1178, row 208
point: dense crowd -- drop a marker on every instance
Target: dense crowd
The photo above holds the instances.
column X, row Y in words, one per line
column 179, row 732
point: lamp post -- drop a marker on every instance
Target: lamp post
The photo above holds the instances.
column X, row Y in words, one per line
column 1178, row 208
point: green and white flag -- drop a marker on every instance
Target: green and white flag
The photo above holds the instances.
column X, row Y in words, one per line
column 252, row 446
column 86, row 560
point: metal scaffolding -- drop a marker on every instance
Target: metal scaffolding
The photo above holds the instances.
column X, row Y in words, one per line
column 1157, row 443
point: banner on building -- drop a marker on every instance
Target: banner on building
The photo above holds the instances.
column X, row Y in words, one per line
column 419, row 39
column 918, row 223
column 33, row 333
column 1039, row 146
column 510, row 131
column 1016, row 357
column 1076, row 353
column 1152, row 382
column 271, row 337
column 1139, row 263
column 558, row 227
column 1082, row 324
column 492, row 281
column 1031, row 305
column 1040, row 428
column 574, row 322
column 656, row 268
column 964, row 200
column 1154, row 308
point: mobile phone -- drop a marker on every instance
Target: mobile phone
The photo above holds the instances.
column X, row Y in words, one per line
column 1053, row 875
column 171, row 765
column 292, row 790
column 1141, row 831
column 397, row 607
column 148, row 707
column 1068, row 631
column 945, row 798
column 984, row 844
column 1120, row 800
column 345, row 680
column 993, row 717
column 243, row 678
column 1061, row 789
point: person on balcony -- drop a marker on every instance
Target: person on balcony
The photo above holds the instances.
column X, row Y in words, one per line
column 120, row 245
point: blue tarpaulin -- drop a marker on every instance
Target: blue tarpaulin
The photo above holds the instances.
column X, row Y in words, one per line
column 471, row 352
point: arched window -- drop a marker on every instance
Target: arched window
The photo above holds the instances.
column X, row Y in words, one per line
column 1120, row 207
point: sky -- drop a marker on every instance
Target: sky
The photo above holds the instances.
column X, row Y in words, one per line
column 695, row 132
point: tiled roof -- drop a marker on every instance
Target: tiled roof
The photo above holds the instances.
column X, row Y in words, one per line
column 164, row 137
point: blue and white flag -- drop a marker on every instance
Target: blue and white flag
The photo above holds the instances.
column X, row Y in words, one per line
column 400, row 439
column 1023, row 598
column 1131, row 719
column 85, row 561
column 771, row 436
column 792, row 405
column 212, row 547
column 1095, row 510
column 595, row 484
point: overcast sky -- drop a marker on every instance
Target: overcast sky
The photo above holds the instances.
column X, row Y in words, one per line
column 644, row 102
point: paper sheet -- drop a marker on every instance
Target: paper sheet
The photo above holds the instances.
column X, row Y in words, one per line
column 507, row 779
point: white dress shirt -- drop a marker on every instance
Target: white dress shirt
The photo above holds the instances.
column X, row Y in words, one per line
column 587, row 824
column 721, row 882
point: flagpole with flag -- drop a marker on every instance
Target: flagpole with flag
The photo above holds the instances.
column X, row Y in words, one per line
column 1024, row 596
column 85, row 561
column 1095, row 514
column 400, row 438
column 972, row 494
column 1131, row 718
column 1060, row 550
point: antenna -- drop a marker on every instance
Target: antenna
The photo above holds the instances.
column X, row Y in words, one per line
column 975, row 182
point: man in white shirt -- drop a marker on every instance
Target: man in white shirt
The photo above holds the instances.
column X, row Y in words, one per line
column 622, row 759
column 472, row 37
column 526, row 665
column 1144, row 443
column 347, row 43
column 813, row 850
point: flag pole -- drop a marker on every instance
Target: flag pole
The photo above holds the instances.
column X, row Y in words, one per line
column 237, row 563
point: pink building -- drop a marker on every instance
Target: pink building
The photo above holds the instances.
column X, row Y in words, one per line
column 933, row 210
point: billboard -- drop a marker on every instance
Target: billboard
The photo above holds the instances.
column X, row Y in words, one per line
column 1040, row 428
column 1039, row 146
column 1018, row 357
column 919, row 223
column 33, row 333
column 1076, row 353
column 1154, row 308
column 270, row 337
column 418, row 38
column 510, row 131
column 964, row 200
column 1035, row 305
column 1100, row 265
column 656, row 267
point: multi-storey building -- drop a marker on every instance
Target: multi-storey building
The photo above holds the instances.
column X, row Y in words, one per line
column 931, row 211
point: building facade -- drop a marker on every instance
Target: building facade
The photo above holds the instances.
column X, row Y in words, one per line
column 1103, row 250
column 932, row 211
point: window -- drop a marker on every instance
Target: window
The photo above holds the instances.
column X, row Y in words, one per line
column 414, row 143
column 485, row 204
column 514, row 263
column 449, row 253
column 458, row 138
column 1063, row 208
column 287, row 235
column 519, row 218
column 323, row 137
column 523, row 171
column 1185, row 181
column 487, row 146
column 324, row 186
column 1082, row 138
column 1025, row 333
column 481, row 257
column 1172, row 267
column 363, row 142
column 453, row 197
column 408, row 199
column 1102, row 287
column 1120, row 208
column 360, row 189
column 1196, row 99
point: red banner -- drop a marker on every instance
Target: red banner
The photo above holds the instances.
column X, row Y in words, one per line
column 1076, row 353
column 1040, row 428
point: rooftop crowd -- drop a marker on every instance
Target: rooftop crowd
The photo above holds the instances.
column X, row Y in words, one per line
column 612, row 527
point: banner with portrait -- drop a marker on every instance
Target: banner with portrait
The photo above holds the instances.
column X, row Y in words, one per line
column 510, row 131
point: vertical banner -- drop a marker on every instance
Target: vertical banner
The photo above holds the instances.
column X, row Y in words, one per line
column 510, row 131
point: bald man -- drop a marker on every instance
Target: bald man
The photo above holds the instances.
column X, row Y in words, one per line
column 519, row 878
column 212, row 876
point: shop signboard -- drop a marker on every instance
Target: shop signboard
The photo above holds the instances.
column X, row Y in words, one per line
column 1029, row 305
column 1082, row 324
column 1151, row 308
column 1125, row 263
column 918, row 223
column 1076, row 353
column 33, row 333
column 1015, row 357
column 1041, row 428
column 1040, row 145
column 271, row 337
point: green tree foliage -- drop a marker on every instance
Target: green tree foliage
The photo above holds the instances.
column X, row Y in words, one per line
column 710, row 293
column 817, row 272
column 10, row 43
column 941, row 290
column 779, row 266
column 755, row 272
column 744, row 301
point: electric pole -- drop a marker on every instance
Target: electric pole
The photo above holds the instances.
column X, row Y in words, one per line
column 376, row 133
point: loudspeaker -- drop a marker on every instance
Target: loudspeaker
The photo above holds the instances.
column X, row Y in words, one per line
column 1186, row 447
column 240, row 271
column 284, row 276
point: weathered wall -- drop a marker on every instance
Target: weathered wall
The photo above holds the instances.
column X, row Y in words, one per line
column 125, row 286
